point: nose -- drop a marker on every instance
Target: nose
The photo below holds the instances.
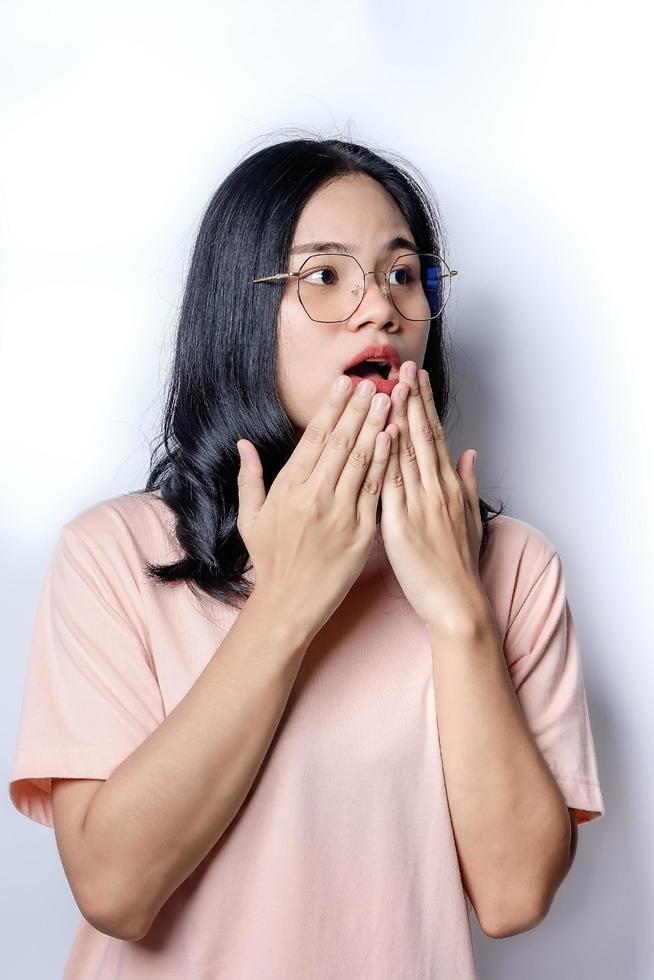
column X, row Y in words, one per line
column 384, row 283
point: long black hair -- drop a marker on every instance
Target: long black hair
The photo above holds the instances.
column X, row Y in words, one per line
column 222, row 385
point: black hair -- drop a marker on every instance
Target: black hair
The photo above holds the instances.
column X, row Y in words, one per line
column 222, row 385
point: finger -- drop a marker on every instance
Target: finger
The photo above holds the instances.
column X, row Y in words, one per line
column 407, row 462
column 305, row 456
column 373, row 481
column 393, row 495
column 466, row 472
column 358, row 456
column 420, row 429
column 251, row 489
column 445, row 468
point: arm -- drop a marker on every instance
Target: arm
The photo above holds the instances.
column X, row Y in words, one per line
column 513, row 830
column 163, row 809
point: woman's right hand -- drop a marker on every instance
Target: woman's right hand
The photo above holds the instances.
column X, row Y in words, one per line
column 310, row 537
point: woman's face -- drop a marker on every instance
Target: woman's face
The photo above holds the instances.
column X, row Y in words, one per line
column 357, row 211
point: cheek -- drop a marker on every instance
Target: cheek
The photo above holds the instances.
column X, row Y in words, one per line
column 303, row 376
column 303, row 390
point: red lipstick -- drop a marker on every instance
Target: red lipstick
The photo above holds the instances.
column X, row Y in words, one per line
column 377, row 352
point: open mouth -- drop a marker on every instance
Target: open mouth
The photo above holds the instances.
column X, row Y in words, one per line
column 370, row 369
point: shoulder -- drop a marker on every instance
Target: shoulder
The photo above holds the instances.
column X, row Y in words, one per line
column 130, row 526
column 516, row 547
column 518, row 555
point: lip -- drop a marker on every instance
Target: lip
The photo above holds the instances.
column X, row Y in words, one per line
column 381, row 384
column 377, row 352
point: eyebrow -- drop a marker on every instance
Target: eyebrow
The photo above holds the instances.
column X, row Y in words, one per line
column 398, row 242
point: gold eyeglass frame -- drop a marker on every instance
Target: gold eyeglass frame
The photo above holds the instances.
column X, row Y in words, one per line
column 385, row 286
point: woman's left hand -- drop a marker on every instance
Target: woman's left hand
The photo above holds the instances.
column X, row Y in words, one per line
column 430, row 523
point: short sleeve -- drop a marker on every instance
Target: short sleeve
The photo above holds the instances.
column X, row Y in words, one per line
column 91, row 694
column 543, row 657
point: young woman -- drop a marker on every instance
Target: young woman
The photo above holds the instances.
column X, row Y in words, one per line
column 305, row 700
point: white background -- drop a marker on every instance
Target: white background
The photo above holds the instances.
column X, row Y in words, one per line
column 533, row 123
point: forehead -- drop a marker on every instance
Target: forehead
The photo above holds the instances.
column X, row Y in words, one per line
column 352, row 208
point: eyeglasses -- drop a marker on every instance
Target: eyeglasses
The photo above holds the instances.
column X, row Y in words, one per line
column 330, row 286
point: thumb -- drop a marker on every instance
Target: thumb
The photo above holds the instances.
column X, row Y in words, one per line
column 466, row 471
column 251, row 489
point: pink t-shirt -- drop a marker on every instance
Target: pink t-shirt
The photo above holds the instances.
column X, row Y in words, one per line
column 341, row 862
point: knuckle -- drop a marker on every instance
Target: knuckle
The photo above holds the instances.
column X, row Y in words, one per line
column 410, row 452
column 314, row 434
column 339, row 439
column 425, row 431
column 314, row 506
column 360, row 405
column 358, row 458
column 370, row 486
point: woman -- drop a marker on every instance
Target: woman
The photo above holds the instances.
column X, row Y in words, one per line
column 289, row 712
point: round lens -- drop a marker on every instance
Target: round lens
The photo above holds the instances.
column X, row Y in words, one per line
column 420, row 285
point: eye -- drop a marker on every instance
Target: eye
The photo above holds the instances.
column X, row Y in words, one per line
column 323, row 272
column 406, row 276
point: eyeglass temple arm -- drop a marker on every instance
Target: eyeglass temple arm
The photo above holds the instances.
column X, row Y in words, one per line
column 293, row 275
column 279, row 275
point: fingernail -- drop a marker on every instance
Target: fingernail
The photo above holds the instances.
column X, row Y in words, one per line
column 474, row 458
column 411, row 372
column 342, row 383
